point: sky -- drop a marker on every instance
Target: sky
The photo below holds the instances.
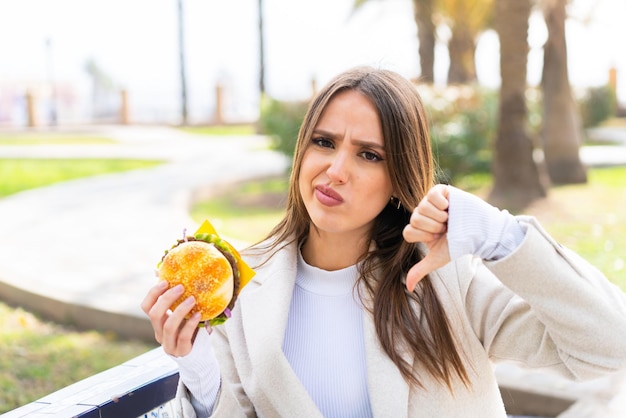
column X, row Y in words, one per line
column 135, row 42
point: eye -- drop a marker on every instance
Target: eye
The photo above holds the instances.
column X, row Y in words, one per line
column 371, row 156
column 322, row 142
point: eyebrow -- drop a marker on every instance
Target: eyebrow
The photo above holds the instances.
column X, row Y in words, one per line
column 360, row 142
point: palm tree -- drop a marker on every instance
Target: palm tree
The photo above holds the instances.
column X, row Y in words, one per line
column 181, row 52
column 467, row 19
column 423, row 11
column 516, row 177
column 562, row 129
column 423, row 15
column 261, row 51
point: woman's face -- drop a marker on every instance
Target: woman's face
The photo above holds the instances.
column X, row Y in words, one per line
column 343, row 179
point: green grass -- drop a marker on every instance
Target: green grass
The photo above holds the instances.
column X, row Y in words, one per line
column 38, row 357
column 591, row 220
column 23, row 174
column 247, row 211
column 221, row 130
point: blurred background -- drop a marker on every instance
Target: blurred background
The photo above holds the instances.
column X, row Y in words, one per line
column 82, row 60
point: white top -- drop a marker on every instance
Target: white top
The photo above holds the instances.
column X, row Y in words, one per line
column 324, row 341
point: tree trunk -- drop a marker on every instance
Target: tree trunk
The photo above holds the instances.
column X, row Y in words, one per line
column 461, row 48
column 423, row 13
column 181, row 54
column 261, row 50
column 516, row 177
column 562, row 129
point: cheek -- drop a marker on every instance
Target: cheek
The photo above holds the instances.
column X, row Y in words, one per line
column 309, row 168
column 303, row 175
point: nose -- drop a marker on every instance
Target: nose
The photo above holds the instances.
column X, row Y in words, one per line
column 339, row 167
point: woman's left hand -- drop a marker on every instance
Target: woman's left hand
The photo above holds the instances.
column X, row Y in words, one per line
column 429, row 224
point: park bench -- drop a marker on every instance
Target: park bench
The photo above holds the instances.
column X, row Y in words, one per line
column 140, row 387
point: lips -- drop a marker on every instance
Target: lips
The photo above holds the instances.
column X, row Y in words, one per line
column 327, row 196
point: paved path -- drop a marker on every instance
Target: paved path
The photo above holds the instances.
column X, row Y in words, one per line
column 85, row 250
column 93, row 243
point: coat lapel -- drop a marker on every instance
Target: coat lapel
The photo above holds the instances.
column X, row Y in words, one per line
column 388, row 391
column 269, row 304
column 264, row 313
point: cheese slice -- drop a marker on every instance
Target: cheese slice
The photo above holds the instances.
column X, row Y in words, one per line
column 245, row 271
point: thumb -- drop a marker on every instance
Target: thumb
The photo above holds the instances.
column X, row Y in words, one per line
column 419, row 271
column 437, row 256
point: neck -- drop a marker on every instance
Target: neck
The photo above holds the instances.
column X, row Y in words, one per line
column 331, row 251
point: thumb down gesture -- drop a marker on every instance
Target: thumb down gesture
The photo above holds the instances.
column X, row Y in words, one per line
column 429, row 225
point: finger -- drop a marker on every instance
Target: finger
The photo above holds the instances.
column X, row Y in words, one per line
column 429, row 224
column 187, row 334
column 411, row 234
column 438, row 196
column 153, row 294
column 435, row 207
column 173, row 325
column 158, row 313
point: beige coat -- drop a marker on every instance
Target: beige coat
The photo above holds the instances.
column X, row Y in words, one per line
column 541, row 306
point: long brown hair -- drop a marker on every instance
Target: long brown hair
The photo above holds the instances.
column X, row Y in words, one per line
column 399, row 327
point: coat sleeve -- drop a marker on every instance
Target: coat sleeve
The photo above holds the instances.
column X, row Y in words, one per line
column 548, row 308
column 231, row 400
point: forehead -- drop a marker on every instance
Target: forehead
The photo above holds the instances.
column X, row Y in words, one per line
column 351, row 110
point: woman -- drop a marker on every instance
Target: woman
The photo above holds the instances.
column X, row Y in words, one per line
column 381, row 294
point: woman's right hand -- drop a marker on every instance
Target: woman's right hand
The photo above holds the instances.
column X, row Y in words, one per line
column 175, row 334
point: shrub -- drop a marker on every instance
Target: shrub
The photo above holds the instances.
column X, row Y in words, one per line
column 597, row 104
column 281, row 120
column 462, row 124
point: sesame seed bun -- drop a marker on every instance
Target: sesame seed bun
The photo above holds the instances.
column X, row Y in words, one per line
column 205, row 273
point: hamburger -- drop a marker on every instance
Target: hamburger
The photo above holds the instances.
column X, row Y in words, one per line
column 210, row 270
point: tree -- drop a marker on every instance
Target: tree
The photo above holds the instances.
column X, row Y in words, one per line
column 423, row 15
column 516, row 176
column 423, row 11
column 467, row 19
column 261, row 50
column 181, row 54
column 562, row 128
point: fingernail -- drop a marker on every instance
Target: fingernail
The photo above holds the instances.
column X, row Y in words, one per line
column 163, row 284
column 179, row 288
column 190, row 301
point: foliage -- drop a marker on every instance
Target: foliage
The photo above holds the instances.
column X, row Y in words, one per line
column 281, row 120
column 597, row 104
column 462, row 123
column 22, row 174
